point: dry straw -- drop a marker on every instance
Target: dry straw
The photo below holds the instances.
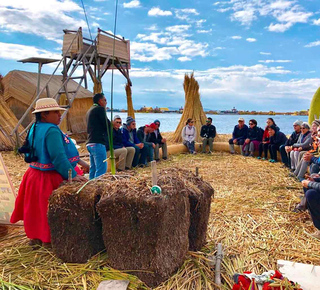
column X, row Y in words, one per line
column 251, row 215
column 192, row 108
column 129, row 101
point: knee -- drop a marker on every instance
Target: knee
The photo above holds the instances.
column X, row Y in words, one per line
column 311, row 195
column 231, row 141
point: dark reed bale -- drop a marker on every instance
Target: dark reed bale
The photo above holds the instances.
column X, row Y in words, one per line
column 76, row 229
column 199, row 192
column 145, row 232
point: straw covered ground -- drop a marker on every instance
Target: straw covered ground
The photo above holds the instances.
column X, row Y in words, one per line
column 250, row 215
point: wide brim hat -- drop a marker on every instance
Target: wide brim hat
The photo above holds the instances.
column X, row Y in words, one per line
column 47, row 104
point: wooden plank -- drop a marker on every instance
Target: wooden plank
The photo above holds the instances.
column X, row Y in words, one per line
column 105, row 47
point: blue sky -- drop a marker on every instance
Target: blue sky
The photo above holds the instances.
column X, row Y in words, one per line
column 255, row 55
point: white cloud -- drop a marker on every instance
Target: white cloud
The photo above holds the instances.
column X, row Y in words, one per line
column 316, row 22
column 177, row 28
column 265, row 53
column 46, row 21
column 279, row 27
column 236, row 37
column 184, row 14
column 245, row 17
column 167, row 91
column 275, row 61
column 18, row 51
column 132, row 4
column 189, row 11
column 184, row 58
column 222, row 10
column 156, row 11
column 152, row 27
column 204, row 31
column 312, row 44
column 251, row 39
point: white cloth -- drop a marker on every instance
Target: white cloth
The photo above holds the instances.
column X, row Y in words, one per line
column 189, row 133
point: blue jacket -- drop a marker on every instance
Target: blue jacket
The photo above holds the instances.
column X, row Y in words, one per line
column 55, row 151
column 126, row 137
column 278, row 138
column 255, row 133
column 117, row 139
column 240, row 134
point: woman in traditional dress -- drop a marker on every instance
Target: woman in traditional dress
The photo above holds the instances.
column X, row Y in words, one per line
column 52, row 155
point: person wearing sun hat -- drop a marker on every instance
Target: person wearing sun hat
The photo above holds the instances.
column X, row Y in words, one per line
column 54, row 155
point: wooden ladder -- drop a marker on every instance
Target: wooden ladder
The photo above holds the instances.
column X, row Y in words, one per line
column 84, row 59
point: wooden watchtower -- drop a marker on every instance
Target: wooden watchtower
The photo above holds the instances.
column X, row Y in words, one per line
column 82, row 57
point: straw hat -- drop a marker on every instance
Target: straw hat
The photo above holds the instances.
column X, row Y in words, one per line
column 47, row 104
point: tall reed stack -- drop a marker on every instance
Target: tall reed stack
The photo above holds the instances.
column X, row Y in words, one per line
column 129, row 101
column 192, row 108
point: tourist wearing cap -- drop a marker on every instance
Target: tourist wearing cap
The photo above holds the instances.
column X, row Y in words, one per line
column 253, row 140
column 286, row 148
column 98, row 127
column 53, row 156
column 277, row 139
column 143, row 135
column 264, row 145
column 189, row 134
column 239, row 134
column 208, row 133
column 303, row 144
column 156, row 138
column 130, row 139
column 124, row 154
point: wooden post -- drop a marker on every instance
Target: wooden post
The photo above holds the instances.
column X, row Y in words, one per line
column 70, row 176
column 154, row 172
column 219, row 257
column 197, row 171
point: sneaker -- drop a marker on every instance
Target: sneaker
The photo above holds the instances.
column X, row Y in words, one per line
column 258, row 157
column 165, row 158
column 232, row 152
column 316, row 234
column 263, row 158
column 272, row 160
column 210, row 152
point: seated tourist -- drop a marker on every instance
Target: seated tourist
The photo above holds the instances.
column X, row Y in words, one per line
column 208, row 133
column 189, row 134
column 253, row 140
column 286, row 148
column 125, row 154
column 143, row 135
column 156, row 138
column 239, row 134
column 264, row 145
column 303, row 144
column 313, row 202
column 130, row 139
column 277, row 139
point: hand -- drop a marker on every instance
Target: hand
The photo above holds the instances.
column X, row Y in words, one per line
column 163, row 140
column 300, row 149
column 79, row 178
column 85, row 167
column 288, row 149
column 314, row 175
column 235, row 141
column 140, row 145
column 264, row 142
column 305, row 183
column 307, row 157
column 153, row 145
column 247, row 141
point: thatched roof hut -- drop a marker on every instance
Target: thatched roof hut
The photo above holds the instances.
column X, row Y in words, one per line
column 20, row 89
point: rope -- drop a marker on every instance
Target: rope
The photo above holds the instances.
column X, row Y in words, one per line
column 85, row 14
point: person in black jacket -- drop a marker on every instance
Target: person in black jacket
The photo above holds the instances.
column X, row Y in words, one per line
column 253, row 140
column 98, row 127
column 286, row 148
column 208, row 133
column 156, row 138
column 277, row 139
column 143, row 134
column 125, row 154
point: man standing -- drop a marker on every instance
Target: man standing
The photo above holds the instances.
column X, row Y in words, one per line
column 286, row 148
column 98, row 127
column 130, row 139
column 156, row 138
column 208, row 133
column 125, row 154
column 239, row 134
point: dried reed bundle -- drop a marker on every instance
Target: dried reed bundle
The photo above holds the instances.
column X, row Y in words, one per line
column 192, row 108
column 129, row 101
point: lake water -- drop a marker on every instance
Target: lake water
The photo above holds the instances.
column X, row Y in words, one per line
column 224, row 123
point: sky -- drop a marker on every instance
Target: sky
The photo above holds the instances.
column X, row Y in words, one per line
column 252, row 55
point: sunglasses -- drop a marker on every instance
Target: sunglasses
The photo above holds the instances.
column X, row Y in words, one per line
column 157, row 124
column 250, row 123
column 208, row 121
column 118, row 122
